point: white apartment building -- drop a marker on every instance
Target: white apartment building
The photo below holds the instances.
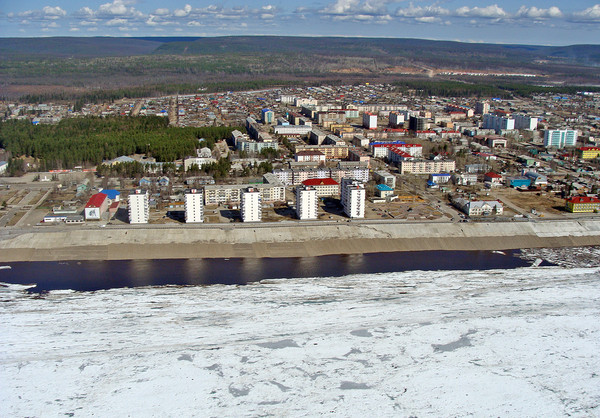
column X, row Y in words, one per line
column 525, row 122
column 251, row 205
column 396, row 119
column 369, row 120
column 194, row 206
column 481, row 108
column 353, row 198
column 139, row 210
column 498, row 123
column 307, row 202
column 426, row 166
column 560, row 138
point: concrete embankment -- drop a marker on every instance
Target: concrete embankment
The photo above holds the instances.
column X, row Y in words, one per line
column 292, row 241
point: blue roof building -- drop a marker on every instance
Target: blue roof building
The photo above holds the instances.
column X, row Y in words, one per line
column 111, row 193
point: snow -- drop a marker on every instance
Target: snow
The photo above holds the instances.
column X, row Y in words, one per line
column 520, row 342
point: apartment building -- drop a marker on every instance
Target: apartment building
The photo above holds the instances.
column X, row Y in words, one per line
column 353, row 198
column 194, row 206
column 251, row 205
column 139, row 209
column 307, row 202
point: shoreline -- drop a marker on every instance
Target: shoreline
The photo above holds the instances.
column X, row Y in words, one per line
column 292, row 241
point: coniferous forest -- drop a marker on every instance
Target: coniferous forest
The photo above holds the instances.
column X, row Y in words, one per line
column 90, row 140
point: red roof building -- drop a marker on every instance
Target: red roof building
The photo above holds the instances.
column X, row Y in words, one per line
column 96, row 206
column 578, row 204
column 324, row 187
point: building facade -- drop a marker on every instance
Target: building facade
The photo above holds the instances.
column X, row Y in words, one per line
column 307, row 202
column 251, row 205
column 139, row 208
column 560, row 138
column 583, row 204
column 194, row 206
column 353, row 198
column 426, row 166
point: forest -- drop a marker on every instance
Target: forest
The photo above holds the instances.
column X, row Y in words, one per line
column 90, row 140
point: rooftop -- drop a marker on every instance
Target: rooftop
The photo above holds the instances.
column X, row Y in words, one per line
column 320, row 182
column 96, row 200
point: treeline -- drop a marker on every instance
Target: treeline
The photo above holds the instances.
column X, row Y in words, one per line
column 90, row 140
column 102, row 96
column 484, row 89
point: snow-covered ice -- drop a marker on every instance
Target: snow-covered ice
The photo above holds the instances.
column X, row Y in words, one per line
column 521, row 342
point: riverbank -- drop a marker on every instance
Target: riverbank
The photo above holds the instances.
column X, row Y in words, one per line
column 292, row 241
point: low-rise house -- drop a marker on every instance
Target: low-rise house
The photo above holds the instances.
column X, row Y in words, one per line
column 464, row 179
column 383, row 190
column 494, row 179
column 517, row 182
column 479, row 207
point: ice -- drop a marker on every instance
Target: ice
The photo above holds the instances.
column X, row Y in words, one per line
column 520, row 342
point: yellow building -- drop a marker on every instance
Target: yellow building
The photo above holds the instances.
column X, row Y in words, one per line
column 582, row 204
column 588, row 153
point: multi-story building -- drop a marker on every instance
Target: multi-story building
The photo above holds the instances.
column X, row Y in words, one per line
column 588, row 153
column 353, row 198
column 381, row 149
column 139, row 209
column 416, row 123
column 330, row 151
column 385, row 177
column 525, row 122
column 467, row 111
column 194, row 206
column 251, row 205
column 396, row 119
column 310, row 156
column 560, row 138
column 481, row 108
column 426, row 166
column 307, row 202
column 345, row 169
column 580, row 204
column 369, row 120
column 358, row 154
column 292, row 130
column 324, row 187
column 497, row 123
column 268, row 116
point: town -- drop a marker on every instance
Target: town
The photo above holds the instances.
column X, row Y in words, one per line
column 327, row 153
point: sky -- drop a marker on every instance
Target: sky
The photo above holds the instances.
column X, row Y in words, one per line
column 512, row 21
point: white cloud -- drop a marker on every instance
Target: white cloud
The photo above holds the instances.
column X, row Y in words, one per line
column 74, row 30
column 352, row 9
column 427, row 11
column 53, row 12
column 591, row 14
column 161, row 12
column 535, row 13
column 490, row 12
column 47, row 13
column 183, row 12
column 428, row 19
column 116, row 22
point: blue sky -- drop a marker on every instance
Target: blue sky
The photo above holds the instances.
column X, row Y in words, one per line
column 512, row 21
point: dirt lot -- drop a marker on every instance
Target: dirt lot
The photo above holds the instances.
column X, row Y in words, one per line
column 544, row 203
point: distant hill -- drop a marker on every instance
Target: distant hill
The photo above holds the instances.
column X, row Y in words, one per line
column 588, row 55
column 104, row 68
column 76, row 47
